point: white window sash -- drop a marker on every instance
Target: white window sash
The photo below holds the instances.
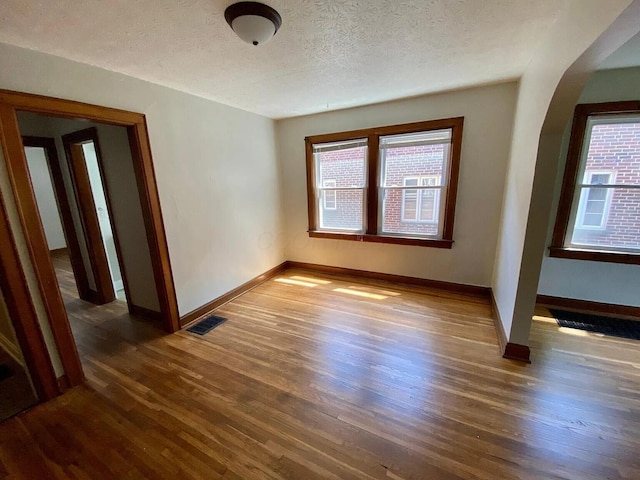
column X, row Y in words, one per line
column 320, row 189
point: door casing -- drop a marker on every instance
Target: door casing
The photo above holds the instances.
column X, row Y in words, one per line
column 17, row 168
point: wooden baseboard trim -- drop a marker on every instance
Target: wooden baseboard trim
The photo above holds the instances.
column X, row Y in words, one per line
column 59, row 251
column 63, row 383
column 474, row 290
column 145, row 312
column 511, row 351
column 515, row 351
column 497, row 321
column 194, row 315
column 587, row 306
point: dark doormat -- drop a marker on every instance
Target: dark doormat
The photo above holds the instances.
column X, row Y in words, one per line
column 5, row 372
column 614, row 327
column 206, row 325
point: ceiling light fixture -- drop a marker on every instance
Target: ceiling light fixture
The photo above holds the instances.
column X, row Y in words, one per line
column 253, row 22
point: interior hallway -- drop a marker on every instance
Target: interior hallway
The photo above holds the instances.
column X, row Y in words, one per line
column 317, row 376
column 99, row 329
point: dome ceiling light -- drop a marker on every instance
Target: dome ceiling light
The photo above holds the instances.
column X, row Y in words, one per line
column 254, row 22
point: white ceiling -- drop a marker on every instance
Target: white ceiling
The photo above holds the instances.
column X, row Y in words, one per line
column 329, row 54
column 628, row 55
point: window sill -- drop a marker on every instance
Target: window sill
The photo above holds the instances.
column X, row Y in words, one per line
column 357, row 237
column 594, row 255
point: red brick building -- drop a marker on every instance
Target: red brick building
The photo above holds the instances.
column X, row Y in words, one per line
column 610, row 216
column 408, row 211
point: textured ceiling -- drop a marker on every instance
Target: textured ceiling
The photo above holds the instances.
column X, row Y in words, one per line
column 328, row 54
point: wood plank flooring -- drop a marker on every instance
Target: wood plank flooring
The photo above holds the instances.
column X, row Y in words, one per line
column 326, row 377
column 99, row 329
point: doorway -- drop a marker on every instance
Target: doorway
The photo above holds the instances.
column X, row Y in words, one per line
column 96, row 262
column 16, row 390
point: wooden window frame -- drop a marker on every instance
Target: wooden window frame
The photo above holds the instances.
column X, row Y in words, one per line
column 576, row 143
column 371, row 233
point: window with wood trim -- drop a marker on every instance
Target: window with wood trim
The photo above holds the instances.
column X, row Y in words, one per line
column 393, row 184
column 599, row 213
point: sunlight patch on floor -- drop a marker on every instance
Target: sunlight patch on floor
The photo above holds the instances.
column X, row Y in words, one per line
column 310, row 279
column 291, row 281
column 375, row 290
column 359, row 293
column 579, row 333
column 538, row 318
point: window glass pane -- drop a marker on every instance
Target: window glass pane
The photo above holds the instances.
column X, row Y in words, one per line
column 598, row 178
column 411, row 182
column 344, row 162
column 347, row 213
column 340, row 176
column 411, row 211
column 428, row 205
column 613, row 156
column 329, row 196
column 608, row 218
column 418, row 155
column 417, row 159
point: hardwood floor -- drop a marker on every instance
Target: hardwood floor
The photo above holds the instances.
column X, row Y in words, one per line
column 99, row 329
column 317, row 376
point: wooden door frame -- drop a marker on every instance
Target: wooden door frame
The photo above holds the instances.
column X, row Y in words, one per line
column 11, row 139
column 22, row 313
column 104, row 292
column 64, row 207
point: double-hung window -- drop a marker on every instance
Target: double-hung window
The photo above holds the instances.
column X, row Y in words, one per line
column 599, row 211
column 340, row 177
column 392, row 184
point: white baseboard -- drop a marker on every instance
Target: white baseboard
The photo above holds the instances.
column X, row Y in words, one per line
column 11, row 349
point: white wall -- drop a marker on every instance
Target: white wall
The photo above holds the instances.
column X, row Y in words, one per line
column 488, row 113
column 45, row 198
column 518, row 263
column 580, row 279
column 127, row 215
column 215, row 166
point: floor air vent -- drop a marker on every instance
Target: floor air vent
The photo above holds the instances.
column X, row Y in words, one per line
column 206, row 325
